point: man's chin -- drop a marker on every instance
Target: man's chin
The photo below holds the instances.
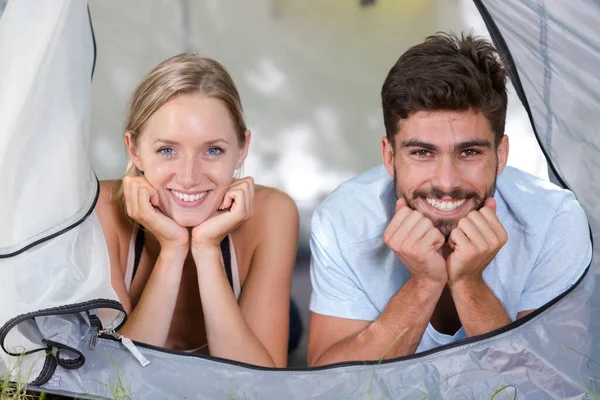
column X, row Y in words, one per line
column 445, row 226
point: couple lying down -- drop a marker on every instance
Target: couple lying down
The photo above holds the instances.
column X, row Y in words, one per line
column 440, row 243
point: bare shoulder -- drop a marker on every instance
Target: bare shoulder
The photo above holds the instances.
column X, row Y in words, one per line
column 275, row 213
column 107, row 206
column 110, row 211
column 269, row 202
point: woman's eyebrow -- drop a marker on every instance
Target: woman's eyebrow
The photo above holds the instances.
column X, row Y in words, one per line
column 207, row 143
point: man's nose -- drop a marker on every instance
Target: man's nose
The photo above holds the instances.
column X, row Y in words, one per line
column 446, row 175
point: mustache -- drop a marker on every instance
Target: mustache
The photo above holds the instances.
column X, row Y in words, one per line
column 454, row 194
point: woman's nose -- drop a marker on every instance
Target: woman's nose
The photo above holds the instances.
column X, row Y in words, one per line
column 189, row 173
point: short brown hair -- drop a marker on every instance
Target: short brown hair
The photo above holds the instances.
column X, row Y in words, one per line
column 449, row 73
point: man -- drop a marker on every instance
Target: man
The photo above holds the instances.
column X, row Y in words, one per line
column 442, row 242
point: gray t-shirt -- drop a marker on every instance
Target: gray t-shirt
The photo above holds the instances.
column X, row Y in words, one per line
column 354, row 274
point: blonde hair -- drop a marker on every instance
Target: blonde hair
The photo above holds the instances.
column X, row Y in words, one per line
column 182, row 74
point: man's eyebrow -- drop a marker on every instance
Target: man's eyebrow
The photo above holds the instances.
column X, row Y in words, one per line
column 473, row 143
column 418, row 143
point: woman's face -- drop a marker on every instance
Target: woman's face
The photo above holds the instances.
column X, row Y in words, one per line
column 188, row 151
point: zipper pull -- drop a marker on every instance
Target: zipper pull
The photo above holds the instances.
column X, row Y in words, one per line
column 134, row 351
column 97, row 325
column 129, row 345
column 94, row 340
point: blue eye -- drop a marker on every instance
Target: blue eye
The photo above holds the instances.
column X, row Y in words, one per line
column 214, row 151
column 166, row 151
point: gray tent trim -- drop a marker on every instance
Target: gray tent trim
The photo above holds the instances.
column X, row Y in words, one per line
column 426, row 375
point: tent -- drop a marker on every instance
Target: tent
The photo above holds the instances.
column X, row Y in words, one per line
column 59, row 340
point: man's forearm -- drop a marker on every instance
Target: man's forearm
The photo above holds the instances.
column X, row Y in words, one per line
column 397, row 331
column 478, row 308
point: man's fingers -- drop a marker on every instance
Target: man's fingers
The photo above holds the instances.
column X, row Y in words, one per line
column 458, row 238
column 471, row 231
column 434, row 238
column 490, row 203
column 484, row 228
column 401, row 203
column 494, row 223
column 395, row 223
column 398, row 238
column 420, row 229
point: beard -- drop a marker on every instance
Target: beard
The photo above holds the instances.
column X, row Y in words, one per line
column 446, row 225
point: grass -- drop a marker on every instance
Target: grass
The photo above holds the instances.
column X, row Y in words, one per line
column 10, row 390
column 119, row 389
column 17, row 390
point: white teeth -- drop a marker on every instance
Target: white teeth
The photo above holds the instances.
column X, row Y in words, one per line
column 188, row 197
column 446, row 205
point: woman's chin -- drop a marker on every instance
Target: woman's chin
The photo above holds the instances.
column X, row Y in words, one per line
column 188, row 221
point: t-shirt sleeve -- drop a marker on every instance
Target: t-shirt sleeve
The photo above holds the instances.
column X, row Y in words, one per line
column 335, row 292
column 565, row 255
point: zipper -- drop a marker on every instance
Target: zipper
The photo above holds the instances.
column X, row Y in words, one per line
column 61, row 310
column 128, row 343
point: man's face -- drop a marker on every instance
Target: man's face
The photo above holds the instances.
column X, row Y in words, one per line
column 445, row 164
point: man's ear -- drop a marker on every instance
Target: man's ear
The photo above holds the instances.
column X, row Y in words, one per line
column 502, row 154
column 132, row 151
column 243, row 152
column 387, row 154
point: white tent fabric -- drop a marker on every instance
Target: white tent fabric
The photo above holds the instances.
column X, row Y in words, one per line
column 47, row 234
column 44, row 109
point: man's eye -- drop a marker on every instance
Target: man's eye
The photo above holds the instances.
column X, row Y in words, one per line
column 421, row 153
column 166, row 151
column 469, row 153
column 214, row 151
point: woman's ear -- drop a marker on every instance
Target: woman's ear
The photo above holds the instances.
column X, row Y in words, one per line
column 243, row 152
column 132, row 151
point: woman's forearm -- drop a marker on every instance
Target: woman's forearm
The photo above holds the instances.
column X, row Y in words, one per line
column 150, row 320
column 228, row 334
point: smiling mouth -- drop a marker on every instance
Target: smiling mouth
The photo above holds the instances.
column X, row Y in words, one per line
column 188, row 197
column 446, row 205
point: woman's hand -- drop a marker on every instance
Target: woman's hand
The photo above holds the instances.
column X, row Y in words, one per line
column 237, row 207
column 142, row 204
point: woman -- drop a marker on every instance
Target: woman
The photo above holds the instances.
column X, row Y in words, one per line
column 201, row 236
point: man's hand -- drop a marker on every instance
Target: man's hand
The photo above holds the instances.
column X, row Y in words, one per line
column 475, row 241
column 415, row 241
